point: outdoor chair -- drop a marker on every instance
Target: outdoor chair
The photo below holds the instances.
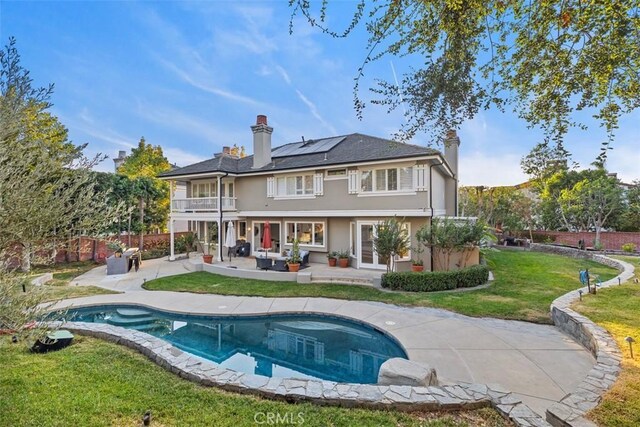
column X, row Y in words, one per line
column 263, row 263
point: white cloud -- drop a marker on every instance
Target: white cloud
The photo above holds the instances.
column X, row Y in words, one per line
column 181, row 157
column 193, row 69
column 284, row 74
column 202, row 84
column 212, row 134
column 314, row 112
column 492, row 170
column 625, row 161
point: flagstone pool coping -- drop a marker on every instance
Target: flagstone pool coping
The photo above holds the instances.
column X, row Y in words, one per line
column 569, row 411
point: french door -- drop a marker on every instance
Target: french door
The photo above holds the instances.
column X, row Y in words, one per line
column 367, row 256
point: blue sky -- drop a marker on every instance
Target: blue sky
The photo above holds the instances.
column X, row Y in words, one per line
column 192, row 76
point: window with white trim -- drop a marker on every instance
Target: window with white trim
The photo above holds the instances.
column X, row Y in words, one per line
column 386, row 180
column 203, row 189
column 299, row 185
column 307, row 233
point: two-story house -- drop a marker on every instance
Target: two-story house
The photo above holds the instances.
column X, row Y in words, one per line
column 328, row 193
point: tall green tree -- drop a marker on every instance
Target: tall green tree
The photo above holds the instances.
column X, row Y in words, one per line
column 544, row 59
column 592, row 203
column 630, row 218
column 142, row 166
column 506, row 208
column 47, row 191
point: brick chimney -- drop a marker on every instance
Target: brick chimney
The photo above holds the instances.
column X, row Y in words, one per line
column 261, row 142
column 451, row 145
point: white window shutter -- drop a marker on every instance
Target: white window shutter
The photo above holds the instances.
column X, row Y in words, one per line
column 353, row 181
column 420, row 177
column 271, row 186
column 318, row 189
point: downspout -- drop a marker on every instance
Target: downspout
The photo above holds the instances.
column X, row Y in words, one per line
column 431, row 198
column 220, row 224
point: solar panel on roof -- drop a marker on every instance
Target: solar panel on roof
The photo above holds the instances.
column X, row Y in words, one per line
column 309, row 147
column 285, row 150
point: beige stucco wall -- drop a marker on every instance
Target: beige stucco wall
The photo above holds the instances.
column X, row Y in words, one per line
column 438, row 190
column 458, row 260
column 252, row 196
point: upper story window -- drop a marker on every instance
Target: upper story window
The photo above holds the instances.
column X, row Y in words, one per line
column 292, row 186
column 336, row 174
column 386, row 180
column 203, row 189
column 299, row 185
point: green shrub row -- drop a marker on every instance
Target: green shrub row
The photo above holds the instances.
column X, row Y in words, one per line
column 437, row 280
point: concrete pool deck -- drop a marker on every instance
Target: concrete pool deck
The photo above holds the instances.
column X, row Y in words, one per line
column 478, row 360
column 538, row 363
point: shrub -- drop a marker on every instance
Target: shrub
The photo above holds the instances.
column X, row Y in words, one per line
column 629, row 247
column 436, row 281
column 154, row 253
column 542, row 237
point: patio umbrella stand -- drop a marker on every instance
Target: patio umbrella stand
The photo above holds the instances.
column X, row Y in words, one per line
column 266, row 238
column 230, row 242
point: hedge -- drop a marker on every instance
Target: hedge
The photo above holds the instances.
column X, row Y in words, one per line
column 437, row 280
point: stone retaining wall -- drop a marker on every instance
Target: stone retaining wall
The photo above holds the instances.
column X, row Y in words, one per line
column 401, row 397
column 571, row 409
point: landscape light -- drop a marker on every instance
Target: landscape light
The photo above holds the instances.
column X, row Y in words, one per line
column 630, row 341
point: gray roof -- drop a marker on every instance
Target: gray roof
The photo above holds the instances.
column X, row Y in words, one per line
column 354, row 148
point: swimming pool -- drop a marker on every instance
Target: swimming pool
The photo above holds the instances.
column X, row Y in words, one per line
column 291, row 346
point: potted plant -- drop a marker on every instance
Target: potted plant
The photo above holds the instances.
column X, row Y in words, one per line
column 343, row 259
column 333, row 258
column 294, row 259
column 210, row 244
column 117, row 247
column 207, row 256
column 417, row 265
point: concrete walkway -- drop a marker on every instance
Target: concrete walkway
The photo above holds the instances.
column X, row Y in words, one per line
column 538, row 363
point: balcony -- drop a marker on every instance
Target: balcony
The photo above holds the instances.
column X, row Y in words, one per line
column 203, row 204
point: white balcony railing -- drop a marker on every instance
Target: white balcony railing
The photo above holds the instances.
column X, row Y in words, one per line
column 203, row 204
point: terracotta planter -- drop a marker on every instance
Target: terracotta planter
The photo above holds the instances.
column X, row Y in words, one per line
column 343, row 262
column 208, row 259
column 293, row 268
column 332, row 262
column 417, row 268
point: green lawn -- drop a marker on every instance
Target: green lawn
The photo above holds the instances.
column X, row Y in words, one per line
column 525, row 285
column 95, row 383
column 62, row 287
column 618, row 310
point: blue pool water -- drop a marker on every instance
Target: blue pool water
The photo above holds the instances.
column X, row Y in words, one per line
column 290, row 346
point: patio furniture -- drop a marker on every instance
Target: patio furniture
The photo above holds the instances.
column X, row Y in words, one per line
column 53, row 341
column 264, row 263
column 244, row 249
column 280, row 264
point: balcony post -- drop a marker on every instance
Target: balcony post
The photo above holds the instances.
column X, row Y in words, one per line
column 172, row 255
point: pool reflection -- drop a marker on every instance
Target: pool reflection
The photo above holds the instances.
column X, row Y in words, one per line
column 303, row 346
